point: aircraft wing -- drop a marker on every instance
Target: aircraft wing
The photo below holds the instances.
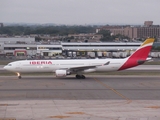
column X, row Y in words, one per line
column 81, row 68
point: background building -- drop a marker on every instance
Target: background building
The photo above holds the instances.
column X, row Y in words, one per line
column 1, row 24
column 135, row 32
column 27, row 48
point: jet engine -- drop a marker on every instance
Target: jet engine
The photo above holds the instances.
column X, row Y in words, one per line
column 62, row 73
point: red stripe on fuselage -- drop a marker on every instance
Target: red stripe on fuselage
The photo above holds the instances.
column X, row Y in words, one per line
column 140, row 54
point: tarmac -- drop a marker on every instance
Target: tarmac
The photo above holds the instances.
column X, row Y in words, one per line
column 98, row 97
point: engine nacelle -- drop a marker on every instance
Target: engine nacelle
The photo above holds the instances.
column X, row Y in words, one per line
column 62, row 73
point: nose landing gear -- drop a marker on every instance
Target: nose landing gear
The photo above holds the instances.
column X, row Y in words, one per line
column 19, row 75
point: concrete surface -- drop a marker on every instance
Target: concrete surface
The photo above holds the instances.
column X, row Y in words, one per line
column 95, row 98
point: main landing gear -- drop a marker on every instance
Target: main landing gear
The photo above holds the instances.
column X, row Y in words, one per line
column 80, row 77
column 19, row 75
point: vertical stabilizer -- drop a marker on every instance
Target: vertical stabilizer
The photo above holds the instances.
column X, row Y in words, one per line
column 139, row 56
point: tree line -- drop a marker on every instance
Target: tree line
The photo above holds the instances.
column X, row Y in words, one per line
column 52, row 30
column 58, row 30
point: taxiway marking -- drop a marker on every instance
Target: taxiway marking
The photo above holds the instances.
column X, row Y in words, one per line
column 115, row 91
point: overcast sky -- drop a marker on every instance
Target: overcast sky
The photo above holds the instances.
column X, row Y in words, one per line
column 80, row 12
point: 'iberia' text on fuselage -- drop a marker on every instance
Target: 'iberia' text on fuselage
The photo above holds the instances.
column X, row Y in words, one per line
column 40, row 62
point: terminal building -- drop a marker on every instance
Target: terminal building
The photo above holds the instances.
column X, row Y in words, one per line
column 24, row 47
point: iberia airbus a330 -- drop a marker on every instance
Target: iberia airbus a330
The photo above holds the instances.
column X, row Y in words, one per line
column 62, row 68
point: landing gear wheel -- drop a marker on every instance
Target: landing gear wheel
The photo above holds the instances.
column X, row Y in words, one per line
column 19, row 77
column 80, row 77
column 83, row 77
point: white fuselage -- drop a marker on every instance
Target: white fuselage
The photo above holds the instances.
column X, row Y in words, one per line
column 26, row 66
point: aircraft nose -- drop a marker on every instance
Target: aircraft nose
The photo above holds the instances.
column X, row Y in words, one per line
column 8, row 67
column 5, row 67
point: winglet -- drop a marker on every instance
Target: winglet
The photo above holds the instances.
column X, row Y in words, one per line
column 141, row 54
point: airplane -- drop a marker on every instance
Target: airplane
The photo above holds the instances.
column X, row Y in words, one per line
column 63, row 67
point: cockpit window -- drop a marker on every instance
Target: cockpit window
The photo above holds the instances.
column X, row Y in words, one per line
column 9, row 64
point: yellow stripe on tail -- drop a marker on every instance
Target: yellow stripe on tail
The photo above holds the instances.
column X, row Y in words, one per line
column 147, row 41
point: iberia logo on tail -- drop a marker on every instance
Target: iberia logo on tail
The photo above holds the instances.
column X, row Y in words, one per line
column 139, row 56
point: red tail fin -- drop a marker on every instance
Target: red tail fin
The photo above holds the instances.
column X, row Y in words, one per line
column 139, row 56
